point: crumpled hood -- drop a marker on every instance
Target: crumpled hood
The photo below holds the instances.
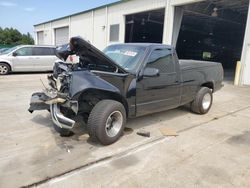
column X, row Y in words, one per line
column 84, row 50
column 83, row 80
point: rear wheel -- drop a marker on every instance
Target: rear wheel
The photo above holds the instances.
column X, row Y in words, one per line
column 203, row 101
column 4, row 69
column 106, row 121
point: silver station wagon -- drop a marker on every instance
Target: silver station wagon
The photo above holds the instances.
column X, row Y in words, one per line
column 27, row 58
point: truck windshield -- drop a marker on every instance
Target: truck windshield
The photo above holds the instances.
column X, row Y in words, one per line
column 127, row 56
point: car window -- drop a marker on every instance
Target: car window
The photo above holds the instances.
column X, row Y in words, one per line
column 161, row 59
column 26, row 51
column 43, row 51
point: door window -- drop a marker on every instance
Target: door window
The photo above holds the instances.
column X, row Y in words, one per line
column 26, row 51
column 43, row 51
column 161, row 59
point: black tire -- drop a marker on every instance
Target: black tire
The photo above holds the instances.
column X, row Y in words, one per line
column 4, row 69
column 102, row 112
column 62, row 132
column 197, row 106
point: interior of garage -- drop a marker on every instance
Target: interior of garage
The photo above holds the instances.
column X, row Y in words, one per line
column 145, row 26
column 213, row 31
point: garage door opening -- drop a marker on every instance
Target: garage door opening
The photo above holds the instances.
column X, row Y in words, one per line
column 145, row 27
column 213, row 31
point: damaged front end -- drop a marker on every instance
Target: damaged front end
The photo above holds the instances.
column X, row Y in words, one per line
column 56, row 99
column 69, row 80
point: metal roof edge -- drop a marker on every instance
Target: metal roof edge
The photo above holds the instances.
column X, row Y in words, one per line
column 82, row 12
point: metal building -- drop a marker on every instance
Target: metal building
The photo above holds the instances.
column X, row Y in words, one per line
column 212, row 30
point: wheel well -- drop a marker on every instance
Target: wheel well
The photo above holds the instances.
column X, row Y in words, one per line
column 88, row 99
column 6, row 64
column 209, row 85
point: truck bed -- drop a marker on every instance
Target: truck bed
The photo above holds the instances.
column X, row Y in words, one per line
column 195, row 73
column 191, row 64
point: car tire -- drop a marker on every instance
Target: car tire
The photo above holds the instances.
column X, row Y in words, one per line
column 203, row 101
column 62, row 132
column 106, row 122
column 4, row 69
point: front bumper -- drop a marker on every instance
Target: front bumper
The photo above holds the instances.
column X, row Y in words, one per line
column 40, row 101
column 59, row 119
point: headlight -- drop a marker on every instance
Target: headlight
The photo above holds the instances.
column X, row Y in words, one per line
column 58, row 83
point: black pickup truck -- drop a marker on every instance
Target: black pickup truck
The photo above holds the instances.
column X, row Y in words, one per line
column 124, row 81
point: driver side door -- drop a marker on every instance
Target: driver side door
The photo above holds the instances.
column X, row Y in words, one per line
column 161, row 92
column 22, row 59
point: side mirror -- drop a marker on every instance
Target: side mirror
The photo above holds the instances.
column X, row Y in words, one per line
column 14, row 54
column 151, row 72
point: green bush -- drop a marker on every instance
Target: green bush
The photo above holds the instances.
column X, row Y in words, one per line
column 10, row 36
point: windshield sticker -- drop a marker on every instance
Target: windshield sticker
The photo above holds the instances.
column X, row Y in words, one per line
column 130, row 53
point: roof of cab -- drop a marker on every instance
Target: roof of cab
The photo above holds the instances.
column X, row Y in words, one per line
column 143, row 45
column 50, row 46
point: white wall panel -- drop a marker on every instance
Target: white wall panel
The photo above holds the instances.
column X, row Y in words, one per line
column 81, row 25
column 100, row 28
column 60, row 23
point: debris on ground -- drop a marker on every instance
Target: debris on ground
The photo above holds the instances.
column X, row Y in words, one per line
column 83, row 137
column 143, row 133
column 67, row 148
column 168, row 132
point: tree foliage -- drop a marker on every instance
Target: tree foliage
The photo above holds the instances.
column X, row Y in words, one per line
column 10, row 36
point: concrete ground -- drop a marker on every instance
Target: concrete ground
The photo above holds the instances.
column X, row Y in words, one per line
column 211, row 150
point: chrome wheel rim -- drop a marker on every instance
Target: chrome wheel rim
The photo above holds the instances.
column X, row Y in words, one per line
column 3, row 69
column 114, row 123
column 206, row 102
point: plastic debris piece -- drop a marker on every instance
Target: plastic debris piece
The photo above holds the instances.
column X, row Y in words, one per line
column 143, row 133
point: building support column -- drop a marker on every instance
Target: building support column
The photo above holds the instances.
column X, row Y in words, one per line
column 245, row 56
column 92, row 26
column 168, row 23
column 169, row 18
column 106, row 27
column 70, row 27
column 51, row 33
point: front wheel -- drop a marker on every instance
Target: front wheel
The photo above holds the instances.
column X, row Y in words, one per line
column 106, row 121
column 203, row 101
column 4, row 69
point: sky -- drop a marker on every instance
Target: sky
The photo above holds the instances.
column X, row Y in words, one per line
column 23, row 14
